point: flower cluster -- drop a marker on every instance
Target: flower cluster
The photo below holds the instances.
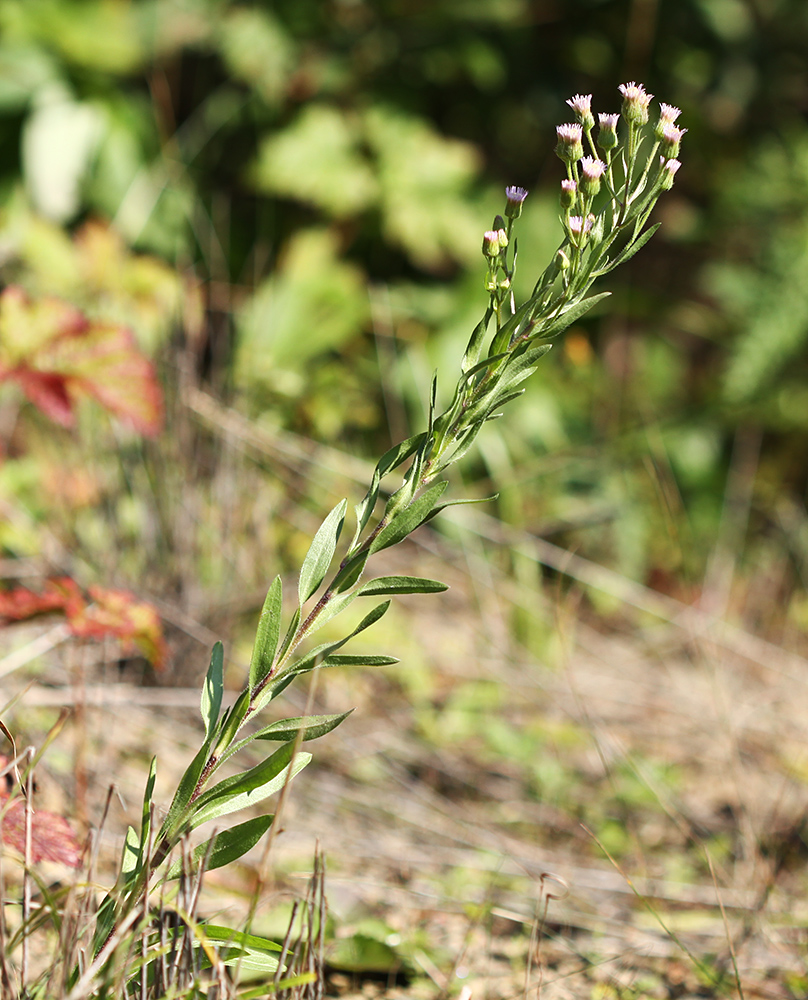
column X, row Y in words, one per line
column 590, row 169
column 616, row 169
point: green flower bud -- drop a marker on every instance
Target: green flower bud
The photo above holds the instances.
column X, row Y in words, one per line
column 607, row 136
column 570, row 149
column 635, row 103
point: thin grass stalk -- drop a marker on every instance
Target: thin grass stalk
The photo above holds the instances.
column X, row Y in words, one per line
column 26, row 874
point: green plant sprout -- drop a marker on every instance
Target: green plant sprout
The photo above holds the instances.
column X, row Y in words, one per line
column 614, row 175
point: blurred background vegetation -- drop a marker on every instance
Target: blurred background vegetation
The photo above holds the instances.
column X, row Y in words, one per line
column 285, row 200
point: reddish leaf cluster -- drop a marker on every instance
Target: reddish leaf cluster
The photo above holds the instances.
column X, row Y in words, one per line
column 52, row 838
column 56, row 355
column 103, row 613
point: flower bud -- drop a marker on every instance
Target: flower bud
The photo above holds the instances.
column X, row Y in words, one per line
column 607, row 136
column 562, row 260
column 569, row 194
column 635, row 103
column 515, row 196
column 671, row 140
column 582, row 106
column 669, row 168
column 502, row 238
column 591, row 172
column 491, row 247
column 569, row 147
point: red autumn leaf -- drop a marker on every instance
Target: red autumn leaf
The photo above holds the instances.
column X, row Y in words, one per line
column 21, row 603
column 118, row 613
column 115, row 613
column 56, row 355
column 52, row 838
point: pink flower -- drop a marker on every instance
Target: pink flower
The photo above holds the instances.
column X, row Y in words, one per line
column 635, row 102
column 581, row 104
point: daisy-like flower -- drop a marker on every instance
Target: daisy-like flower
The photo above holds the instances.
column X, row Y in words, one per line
column 591, row 172
column 607, row 136
column 579, row 225
column 672, row 139
column 569, row 147
column 581, row 104
column 635, row 102
column 516, row 197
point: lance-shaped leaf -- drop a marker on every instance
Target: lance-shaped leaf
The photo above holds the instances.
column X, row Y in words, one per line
column 384, row 585
column 248, row 951
column 308, row 661
column 575, row 311
column 225, row 847
column 475, row 344
column 269, row 630
column 212, row 690
column 359, row 660
column 249, row 787
column 310, row 726
column 318, row 559
column 390, row 460
column 405, row 522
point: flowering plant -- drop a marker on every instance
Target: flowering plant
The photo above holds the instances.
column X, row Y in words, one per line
column 607, row 196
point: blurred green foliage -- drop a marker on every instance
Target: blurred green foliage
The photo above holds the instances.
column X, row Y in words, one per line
column 320, row 172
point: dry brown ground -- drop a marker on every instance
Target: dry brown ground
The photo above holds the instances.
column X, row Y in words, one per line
column 448, row 844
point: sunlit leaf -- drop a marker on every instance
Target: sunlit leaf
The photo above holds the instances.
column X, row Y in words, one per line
column 317, row 159
column 56, row 355
column 269, row 630
column 321, row 552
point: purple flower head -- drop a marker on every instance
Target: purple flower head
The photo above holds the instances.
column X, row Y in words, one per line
column 592, row 169
column 569, row 194
column 635, row 103
column 580, row 225
column 516, row 197
column 671, row 139
column 581, row 104
column 668, row 168
column 668, row 114
column 569, row 147
column 607, row 136
column 491, row 247
column 591, row 172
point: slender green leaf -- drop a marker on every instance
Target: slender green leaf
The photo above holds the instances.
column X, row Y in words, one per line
column 634, row 247
column 409, row 519
column 269, row 630
column 232, row 722
column 475, row 344
column 350, row 572
column 359, row 660
column 318, row 559
column 458, row 503
column 212, row 690
column 391, row 459
column 383, row 585
column 311, row 726
column 308, row 661
column 571, row 314
column 172, row 824
column 146, row 811
column 247, row 951
column 249, row 787
column 225, row 847
column 290, row 633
